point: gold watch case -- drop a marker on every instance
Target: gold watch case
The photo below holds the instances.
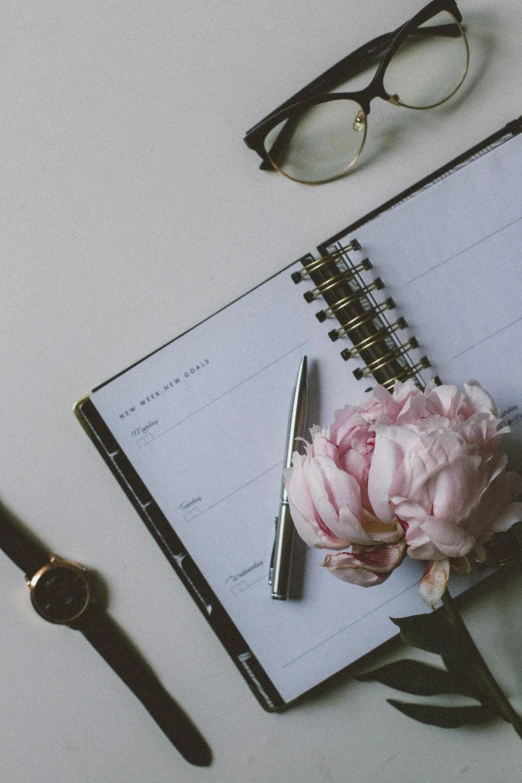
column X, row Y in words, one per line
column 61, row 591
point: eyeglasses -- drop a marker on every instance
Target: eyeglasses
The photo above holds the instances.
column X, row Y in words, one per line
column 316, row 136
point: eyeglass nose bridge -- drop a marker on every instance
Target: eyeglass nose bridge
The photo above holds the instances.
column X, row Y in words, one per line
column 365, row 97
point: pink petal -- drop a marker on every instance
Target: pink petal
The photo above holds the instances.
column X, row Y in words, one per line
column 308, row 524
column 352, row 529
column 456, row 486
column 345, row 420
column 339, row 503
column 366, row 567
column 508, row 517
column 445, row 401
column 492, row 505
column 434, row 581
column 448, row 537
column 323, row 446
column 420, row 546
column 480, row 399
column 390, row 446
column 381, row 558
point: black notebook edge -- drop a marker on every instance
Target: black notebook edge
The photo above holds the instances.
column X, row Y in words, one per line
column 93, row 424
column 178, row 556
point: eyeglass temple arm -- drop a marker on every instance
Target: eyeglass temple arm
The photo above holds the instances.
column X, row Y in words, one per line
column 351, row 65
column 361, row 59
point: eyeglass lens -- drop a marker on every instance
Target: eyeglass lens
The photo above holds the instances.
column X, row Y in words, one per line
column 320, row 143
column 429, row 65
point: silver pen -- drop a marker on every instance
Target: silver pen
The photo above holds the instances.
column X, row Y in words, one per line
column 281, row 562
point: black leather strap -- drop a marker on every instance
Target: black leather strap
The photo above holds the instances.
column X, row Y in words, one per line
column 22, row 550
column 110, row 641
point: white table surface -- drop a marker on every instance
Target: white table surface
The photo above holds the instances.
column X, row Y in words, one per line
column 131, row 209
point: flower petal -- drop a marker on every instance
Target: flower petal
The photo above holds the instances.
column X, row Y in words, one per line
column 434, row 581
column 337, row 498
column 367, row 566
column 508, row 517
column 480, row 400
column 308, row 523
column 391, row 443
column 448, row 537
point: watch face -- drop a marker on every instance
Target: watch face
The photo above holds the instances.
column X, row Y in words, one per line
column 60, row 592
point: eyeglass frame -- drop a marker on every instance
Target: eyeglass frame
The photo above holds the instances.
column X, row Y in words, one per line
column 384, row 46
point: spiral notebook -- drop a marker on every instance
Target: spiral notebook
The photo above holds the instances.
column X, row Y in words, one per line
column 428, row 285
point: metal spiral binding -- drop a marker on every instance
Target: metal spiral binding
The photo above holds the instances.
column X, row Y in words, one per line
column 337, row 255
column 410, row 371
column 374, row 339
column 385, row 359
column 360, row 317
column 369, row 315
column 344, row 277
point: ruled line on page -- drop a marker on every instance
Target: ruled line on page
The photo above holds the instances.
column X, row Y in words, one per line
column 488, row 337
column 228, row 391
column 464, row 250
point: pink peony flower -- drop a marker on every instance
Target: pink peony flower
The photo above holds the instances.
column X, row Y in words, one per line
column 328, row 501
column 415, row 471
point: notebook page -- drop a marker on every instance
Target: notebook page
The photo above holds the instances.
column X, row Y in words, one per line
column 203, row 422
column 451, row 257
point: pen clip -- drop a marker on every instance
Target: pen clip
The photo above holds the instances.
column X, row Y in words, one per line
column 272, row 557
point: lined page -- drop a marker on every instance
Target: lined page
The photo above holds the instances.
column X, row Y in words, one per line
column 203, row 421
column 452, row 259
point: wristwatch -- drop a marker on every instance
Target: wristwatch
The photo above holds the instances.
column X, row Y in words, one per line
column 63, row 592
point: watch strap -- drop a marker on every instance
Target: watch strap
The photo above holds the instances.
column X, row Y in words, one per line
column 109, row 639
column 24, row 551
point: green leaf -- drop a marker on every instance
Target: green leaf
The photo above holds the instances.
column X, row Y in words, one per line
column 515, row 531
column 463, row 671
column 445, row 717
column 418, row 678
column 431, row 632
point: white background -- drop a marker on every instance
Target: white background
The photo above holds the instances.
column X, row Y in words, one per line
column 130, row 210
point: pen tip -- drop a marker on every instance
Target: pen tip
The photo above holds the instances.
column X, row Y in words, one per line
column 303, row 370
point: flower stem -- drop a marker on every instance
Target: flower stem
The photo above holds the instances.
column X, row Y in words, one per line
column 479, row 664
